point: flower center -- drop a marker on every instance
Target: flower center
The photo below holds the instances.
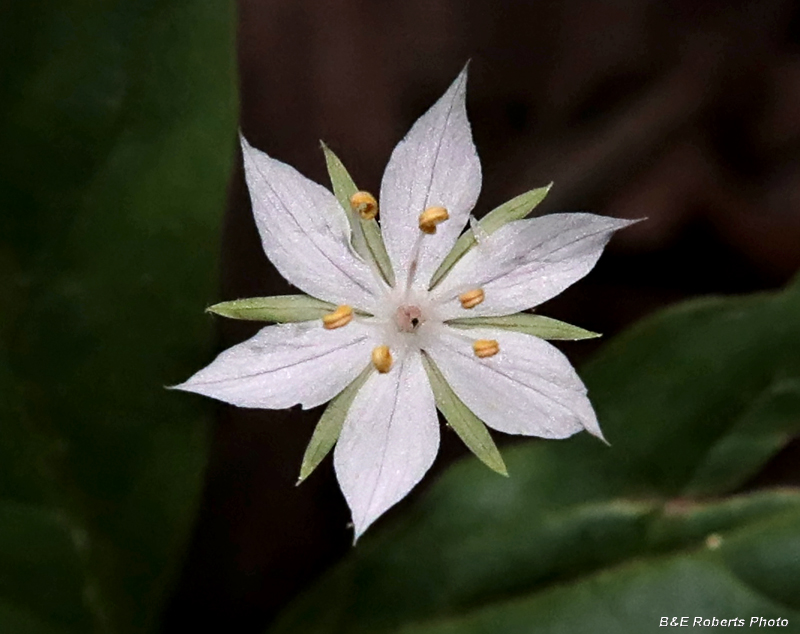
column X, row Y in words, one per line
column 408, row 318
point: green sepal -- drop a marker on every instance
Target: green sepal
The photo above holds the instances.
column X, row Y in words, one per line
column 367, row 237
column 515, row 209
column 327, row 431
column 469, row 427
column 280, row 308
column 530, row 324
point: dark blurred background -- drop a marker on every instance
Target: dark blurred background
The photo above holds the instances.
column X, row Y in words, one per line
column 687, row 113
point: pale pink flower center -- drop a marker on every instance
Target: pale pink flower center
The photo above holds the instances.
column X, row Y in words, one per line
column 408, row 318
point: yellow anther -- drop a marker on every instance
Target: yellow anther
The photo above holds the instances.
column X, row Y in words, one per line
column 431, row 217
column 485, row 348
column 365, row 204
column 338, row 318
column 472, row 298
column 382, row 359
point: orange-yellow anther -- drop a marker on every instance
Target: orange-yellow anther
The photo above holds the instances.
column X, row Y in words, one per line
column 365, row 204
column 472, row 298
column 431, row 217
column 338, row 318
column 485, row 348
column 382, row 359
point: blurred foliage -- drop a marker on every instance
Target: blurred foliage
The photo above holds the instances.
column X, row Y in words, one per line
column 118, row 122
column 588, row 538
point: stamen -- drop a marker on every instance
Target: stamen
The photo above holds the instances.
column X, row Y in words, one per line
column 485, row 348
column 338, row 318
column 365, row 204
column 382, row 359
column 472, row 298
column 431, row 217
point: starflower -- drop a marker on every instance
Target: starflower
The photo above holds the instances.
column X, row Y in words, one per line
column 405, row 316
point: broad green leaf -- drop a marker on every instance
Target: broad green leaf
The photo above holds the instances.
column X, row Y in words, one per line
column 476, row 556
column 530, row 324
column 515, row 209
column 37, row 550
column 636, row 597
column 590, row 538
column 766, row 560
column 19, row 621
column 367, row 237
column 280, row 308
column 762, row 429
column 693, row 373
column 469, row 427
column 118, row 128
column 327, row 431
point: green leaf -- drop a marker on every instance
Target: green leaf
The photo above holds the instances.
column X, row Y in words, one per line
column 118, row 128
column 468, row 426
column 588, row 538
column 636, row 596
column 367, row 237
column 37, row 550
column 19, row 621
column 694, row 372
column 280, row 308
column 327, row 431
column 515, row 209
column 530, row 324
column 763, row 429
column 765, row 558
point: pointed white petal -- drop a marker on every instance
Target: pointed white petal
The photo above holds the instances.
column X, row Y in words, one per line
column 525, row 263
column 287, row 364
column 434, row 165
column 527, row 388
column 389, row 440
column 305, row 233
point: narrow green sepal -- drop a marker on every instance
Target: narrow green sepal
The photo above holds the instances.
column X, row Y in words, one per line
column 515, row 209
column 367, row 237
column 327, row 431
column 469, row 427
column 280, row 308
column 374, row 239
column 342, row 183
column 537, row 325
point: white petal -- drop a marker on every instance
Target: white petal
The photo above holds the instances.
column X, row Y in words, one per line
column 287, row 364
column 305, row 233
column 525, row 263
column 434, row 165
column 389, row 440
column 527, row 388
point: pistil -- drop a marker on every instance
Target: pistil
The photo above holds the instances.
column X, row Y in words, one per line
column 408, row 318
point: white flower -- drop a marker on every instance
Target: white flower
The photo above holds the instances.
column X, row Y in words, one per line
column 390, row 339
